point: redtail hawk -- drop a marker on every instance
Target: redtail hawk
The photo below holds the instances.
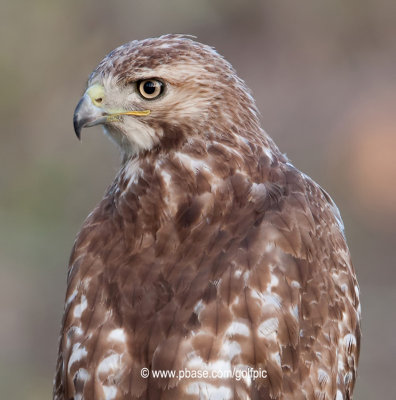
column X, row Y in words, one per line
column 211, row 259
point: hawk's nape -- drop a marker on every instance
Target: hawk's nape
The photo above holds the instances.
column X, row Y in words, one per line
column 212, row 268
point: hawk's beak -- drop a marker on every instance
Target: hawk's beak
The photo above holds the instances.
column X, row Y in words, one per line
column 89, row 112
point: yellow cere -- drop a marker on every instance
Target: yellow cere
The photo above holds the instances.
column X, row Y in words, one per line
column 96, row 93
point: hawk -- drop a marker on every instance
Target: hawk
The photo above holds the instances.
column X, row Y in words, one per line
column 209, row 255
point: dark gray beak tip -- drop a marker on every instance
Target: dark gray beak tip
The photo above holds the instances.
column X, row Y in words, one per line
column 77, row 127
column 78, row 119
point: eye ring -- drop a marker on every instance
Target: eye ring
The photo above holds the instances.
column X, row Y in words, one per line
column 150, row 89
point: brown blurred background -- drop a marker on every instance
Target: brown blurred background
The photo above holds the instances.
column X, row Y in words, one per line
column 324, row 77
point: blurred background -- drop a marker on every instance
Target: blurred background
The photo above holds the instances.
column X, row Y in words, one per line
column 324, row 77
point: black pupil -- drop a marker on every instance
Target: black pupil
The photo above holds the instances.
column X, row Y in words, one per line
column 149, row 87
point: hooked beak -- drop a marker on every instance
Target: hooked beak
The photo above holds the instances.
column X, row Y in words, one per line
column 87, row 114
column 90, row 113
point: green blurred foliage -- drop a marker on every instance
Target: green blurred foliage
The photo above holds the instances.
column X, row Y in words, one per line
column 323, row 74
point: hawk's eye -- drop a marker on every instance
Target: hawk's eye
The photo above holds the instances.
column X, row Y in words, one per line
column 150, row 88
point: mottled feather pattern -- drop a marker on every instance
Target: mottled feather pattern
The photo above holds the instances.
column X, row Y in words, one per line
column 208, row 251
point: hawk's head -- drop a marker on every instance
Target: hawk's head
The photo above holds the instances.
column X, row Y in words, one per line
column 157, row 92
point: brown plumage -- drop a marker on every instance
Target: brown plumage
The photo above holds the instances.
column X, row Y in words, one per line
column 209, row 251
